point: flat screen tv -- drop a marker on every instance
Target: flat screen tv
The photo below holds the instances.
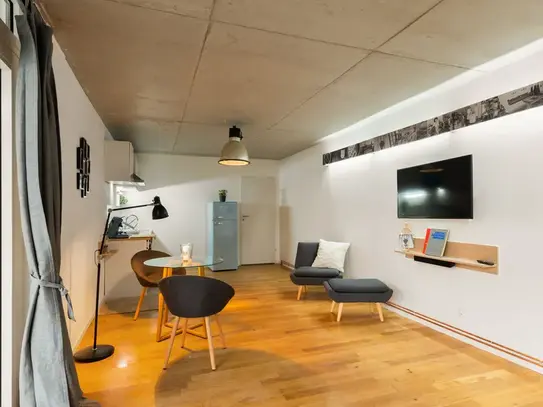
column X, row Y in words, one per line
column 438, row 190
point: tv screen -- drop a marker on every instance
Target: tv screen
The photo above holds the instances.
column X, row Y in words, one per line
column 439, row 190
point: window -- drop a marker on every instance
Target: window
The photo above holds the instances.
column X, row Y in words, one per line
column 7, row 14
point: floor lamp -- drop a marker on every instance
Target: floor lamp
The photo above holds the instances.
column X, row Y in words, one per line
column 96, row 352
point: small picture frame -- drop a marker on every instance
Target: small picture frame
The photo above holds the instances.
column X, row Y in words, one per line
column 83, row 167
column 79, row 158
column 406, row 238
column 406, row 241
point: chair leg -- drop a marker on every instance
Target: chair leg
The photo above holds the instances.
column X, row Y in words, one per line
column 172, row 339
column 300, row 289
column 140, row 302
column 184, row 334
column 339, row 311
column 380, row 310
column 210, row 343
column 333, row 306
column 221, row 334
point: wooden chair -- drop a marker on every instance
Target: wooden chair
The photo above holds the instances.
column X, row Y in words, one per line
column 148, row 277
column 195, row 297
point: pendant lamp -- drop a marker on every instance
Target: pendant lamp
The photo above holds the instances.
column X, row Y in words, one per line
column 234, row 152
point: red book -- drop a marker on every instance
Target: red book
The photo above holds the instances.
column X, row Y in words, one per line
column 426, row 240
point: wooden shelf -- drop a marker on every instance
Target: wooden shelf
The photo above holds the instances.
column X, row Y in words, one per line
column 464, row 255
column 465, row 262
column 132, row 238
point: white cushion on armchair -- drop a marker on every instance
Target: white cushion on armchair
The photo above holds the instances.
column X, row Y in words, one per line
column 331, row 255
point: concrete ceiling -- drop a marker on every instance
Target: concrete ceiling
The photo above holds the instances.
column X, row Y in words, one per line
column 172, row 75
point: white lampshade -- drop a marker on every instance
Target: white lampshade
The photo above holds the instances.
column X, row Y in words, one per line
column 234, row 152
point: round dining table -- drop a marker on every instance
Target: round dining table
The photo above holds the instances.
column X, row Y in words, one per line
column 196, row 264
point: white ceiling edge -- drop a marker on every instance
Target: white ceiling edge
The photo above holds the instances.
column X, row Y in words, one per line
column 509, row 61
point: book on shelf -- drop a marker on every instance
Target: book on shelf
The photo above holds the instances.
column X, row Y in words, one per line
column 435, row 242
column 426, row 237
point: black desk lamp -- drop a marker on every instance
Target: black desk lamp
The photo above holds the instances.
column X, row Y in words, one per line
column 96, row 352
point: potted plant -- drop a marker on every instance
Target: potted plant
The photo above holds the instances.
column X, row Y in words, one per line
column 222, row 195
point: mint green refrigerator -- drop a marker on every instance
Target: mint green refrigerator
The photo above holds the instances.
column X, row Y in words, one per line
column 223, row 235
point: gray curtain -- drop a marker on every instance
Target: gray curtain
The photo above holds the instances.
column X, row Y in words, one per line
column 47, row 375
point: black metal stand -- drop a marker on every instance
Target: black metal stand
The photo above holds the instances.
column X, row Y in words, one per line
column 96, row 352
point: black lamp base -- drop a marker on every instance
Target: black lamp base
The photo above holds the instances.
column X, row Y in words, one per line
column 90, row 354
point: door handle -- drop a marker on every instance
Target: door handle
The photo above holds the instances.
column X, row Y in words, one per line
column 244, row 216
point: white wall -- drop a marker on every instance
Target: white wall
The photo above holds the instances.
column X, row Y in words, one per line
column 185, row 185
column 82, row 218
column 355, row 201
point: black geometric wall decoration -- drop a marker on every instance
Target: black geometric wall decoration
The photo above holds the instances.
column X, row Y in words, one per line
column 505, row 104
column 83, row 167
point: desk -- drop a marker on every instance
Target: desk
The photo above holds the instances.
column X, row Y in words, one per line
column 147, row 237
column 119, row 279
column 167, row 264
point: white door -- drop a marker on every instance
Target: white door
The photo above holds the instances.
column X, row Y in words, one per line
column 258, row 220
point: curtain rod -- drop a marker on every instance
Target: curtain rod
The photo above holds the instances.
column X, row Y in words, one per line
column 23, row 4
column 43, row 13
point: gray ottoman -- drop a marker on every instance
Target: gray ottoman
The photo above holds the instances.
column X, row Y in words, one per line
column 368, row 290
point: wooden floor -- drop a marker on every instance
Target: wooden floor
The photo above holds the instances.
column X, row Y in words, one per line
column 283, row 352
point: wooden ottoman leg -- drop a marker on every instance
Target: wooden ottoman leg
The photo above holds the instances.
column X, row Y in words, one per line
column 300, row 289
column 333, row 306
column 339, row 311
column 380, row 310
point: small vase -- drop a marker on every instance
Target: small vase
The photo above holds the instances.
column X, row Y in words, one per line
column 186, row 252
column 222, row 198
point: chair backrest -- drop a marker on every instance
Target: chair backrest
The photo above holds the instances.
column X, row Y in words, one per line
column 141, row 270
column 195, row 296
column 306, row 253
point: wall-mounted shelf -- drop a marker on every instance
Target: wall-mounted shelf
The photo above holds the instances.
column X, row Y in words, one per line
column 464, row 255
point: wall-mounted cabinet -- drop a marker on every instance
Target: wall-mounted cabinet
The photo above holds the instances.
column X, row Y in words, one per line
column 120, row 163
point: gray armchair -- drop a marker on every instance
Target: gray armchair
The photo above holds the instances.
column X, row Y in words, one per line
column 304, row 273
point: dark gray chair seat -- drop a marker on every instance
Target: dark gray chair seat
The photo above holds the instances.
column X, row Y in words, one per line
column 304, row 274
column 368, row 290
column 316, row 272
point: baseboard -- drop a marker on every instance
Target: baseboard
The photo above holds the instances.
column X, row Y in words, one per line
column 287, row 265
column 505, row 352
column 75, row 344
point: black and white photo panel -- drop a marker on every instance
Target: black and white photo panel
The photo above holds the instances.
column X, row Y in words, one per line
column 526, row 97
